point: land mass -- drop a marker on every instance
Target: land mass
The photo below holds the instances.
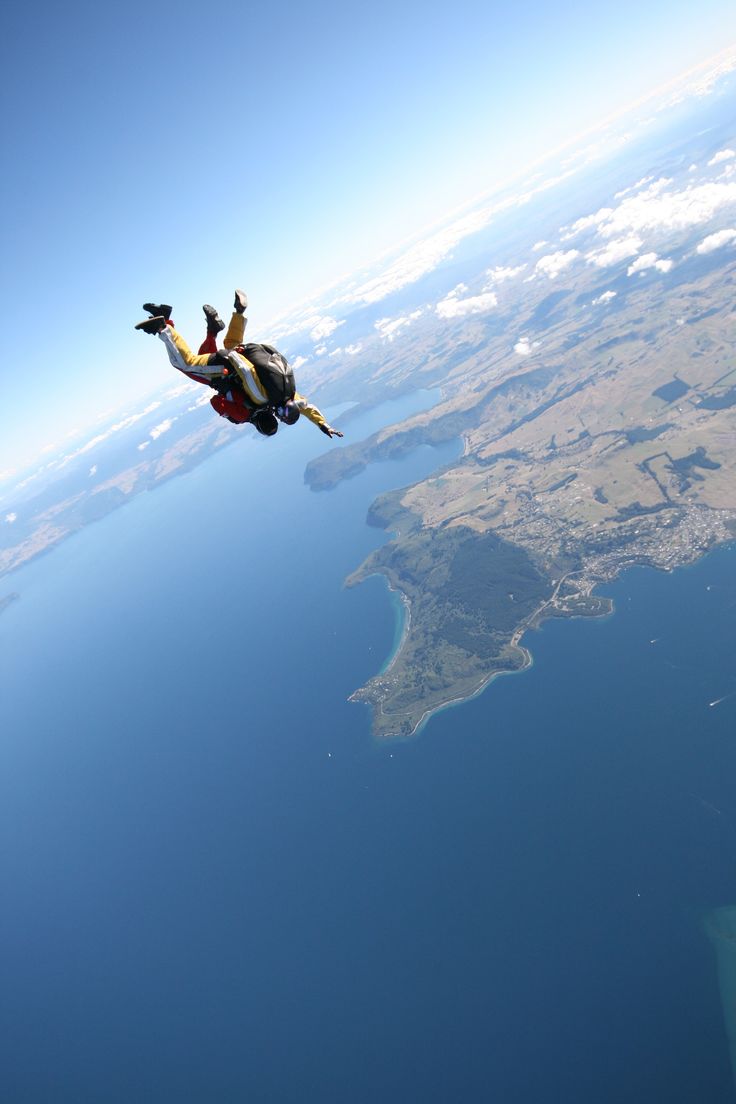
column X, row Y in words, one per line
column 469, row 598
column 614, row 447
column 62, row 511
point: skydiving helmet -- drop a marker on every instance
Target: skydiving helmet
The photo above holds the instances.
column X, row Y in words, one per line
column 288, row 412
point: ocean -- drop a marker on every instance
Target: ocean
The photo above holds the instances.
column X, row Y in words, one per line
column 217, row 887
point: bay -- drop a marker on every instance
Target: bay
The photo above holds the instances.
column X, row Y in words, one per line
column 218, row 887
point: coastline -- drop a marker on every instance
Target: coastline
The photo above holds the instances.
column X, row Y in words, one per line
column 534, row 620
column 426, row 671
column 402, row 624
column 528, row 661
column 486, row 682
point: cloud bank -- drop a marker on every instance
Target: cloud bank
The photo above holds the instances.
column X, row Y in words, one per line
column 649, row 260
column 389, row 327
column 454, row 307
column 320, row 328
column 553, row 264
column 717, row 241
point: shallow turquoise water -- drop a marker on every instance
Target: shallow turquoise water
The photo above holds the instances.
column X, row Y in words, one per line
column 217, row 887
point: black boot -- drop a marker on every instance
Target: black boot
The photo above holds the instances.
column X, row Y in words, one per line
column 152, row 325
column 214, row 322
column 159, row 310
column 241, row 301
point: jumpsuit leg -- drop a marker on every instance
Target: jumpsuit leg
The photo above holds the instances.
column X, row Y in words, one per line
column 235, row 331
column 208, row 346
column 181, row 356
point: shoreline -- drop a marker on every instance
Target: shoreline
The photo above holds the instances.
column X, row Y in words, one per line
column 397, row 645
column 534, row 620
column 531, row 622
column 485, row 683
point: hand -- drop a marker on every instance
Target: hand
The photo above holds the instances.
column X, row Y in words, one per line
column 332, row 432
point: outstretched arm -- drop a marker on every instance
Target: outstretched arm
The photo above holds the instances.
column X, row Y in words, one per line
column 309, row 410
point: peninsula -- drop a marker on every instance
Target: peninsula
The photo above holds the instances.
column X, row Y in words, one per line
column 614, row 446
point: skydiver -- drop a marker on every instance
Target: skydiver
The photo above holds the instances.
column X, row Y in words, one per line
column 242, row 395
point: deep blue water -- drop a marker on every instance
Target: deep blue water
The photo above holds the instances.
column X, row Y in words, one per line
column 216, row 887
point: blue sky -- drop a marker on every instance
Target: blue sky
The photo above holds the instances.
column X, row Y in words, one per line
column 176, row 152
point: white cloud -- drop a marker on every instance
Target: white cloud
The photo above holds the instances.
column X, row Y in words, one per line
column 634, row 187
column 351, row 350
column 89, row 445
column 143, row 446
column 182, row 389
column 704, row 83
column 717, row 241
column 554, row 263
column 657, row 209
column 425, row 255
column 693, row 168
column 606, row 297
column 452, row 307
column 500, row 274
column 409, row 263
column 126, row 422
column 320, row 328
column 649, row 260
column 161, row 428
column 389, row 327
column 320, row 350
column 93, row 470
column 524, row 346
column 722, row 155
column 588, row 222
column 422, row 257
column 10, row 518
column 202, row 400
column 614, row 252
column 298, row 362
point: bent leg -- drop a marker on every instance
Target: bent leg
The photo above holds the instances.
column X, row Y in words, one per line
column 208, row 346
column 235, row 331
column 180, row 355
column 183, row 359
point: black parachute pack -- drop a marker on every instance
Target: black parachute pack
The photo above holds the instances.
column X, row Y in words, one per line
column 273, row 370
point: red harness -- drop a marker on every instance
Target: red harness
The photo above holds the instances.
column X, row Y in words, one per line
column 231, row 406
